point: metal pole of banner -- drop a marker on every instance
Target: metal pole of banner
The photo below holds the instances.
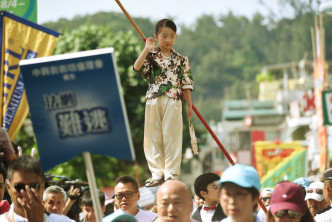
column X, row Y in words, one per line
column 93, row 186
column 194, row 108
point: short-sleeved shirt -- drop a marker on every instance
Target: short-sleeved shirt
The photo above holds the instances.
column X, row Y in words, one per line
column 145, row 216
column 166, row 76
column 324, row 217
column 261, row 214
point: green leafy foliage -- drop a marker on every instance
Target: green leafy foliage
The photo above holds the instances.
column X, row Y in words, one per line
column 226, row 54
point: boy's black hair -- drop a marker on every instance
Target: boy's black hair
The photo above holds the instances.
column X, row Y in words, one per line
column 127, row 179
column 25, row 163
column 87, row 199
column 252, row 190
column 165, row 23
column 203, row 181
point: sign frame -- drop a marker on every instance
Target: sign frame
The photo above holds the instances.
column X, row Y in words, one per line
column 87, row 94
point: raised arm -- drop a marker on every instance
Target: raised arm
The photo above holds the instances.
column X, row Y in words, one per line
column 149, row 45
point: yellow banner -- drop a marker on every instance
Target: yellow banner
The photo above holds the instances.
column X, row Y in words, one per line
column 292, row 166
column 20, row 39
column 270, row 154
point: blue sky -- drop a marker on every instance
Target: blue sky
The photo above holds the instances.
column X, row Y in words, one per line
column 183, row 11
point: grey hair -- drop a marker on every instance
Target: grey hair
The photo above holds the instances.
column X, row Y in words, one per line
column 54, row 189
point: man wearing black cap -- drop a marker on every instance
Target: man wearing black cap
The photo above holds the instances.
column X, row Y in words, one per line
column 327, row 215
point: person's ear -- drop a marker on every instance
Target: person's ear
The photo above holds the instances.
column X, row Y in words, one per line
column 7, row 184
column 203, row 193
column 329, row 191
column 103, row 209
column 138, row 195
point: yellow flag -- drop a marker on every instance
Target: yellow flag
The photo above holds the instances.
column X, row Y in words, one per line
column 20, row 39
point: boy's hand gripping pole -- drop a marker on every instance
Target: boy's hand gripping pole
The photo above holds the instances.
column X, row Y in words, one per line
column 194, row 108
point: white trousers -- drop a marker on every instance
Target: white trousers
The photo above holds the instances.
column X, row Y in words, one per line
column 163, row 136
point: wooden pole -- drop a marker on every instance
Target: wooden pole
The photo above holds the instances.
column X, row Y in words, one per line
column 93, row 186
column 131, row 20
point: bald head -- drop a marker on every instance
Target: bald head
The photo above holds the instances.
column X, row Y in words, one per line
column 174, row 202
column 175, row 186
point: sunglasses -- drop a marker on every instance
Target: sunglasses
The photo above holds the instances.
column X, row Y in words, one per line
column 315, row 190
column 21, row 186
column 291, row 214
column 266, row 198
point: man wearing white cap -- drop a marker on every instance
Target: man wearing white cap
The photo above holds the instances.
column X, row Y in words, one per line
column 315, row 197
column 265, row 198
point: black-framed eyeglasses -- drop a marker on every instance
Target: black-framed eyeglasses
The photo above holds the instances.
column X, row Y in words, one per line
column 215, row 187
column 127, row 194
column 291, row 213
column 21, row 186
column 266, row 198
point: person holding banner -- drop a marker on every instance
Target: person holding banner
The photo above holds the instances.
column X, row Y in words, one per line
column 169, row 76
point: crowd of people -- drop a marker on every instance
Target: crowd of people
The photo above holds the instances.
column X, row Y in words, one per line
column 236, row 196
column 231, row 197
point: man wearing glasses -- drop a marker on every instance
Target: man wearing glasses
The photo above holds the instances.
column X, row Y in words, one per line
column 127, row 195
column 315, row 198
column 25, row 185
column 266, row 196
column 207, row 188
column 266, row 199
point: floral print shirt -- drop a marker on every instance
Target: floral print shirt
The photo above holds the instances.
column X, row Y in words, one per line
column 166, row 76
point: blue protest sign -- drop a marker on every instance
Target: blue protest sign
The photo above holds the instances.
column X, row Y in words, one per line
column 76, row 106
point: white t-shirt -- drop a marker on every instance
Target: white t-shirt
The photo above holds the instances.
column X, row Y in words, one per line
column 17, row 218
column 324, row 217
column 262, row 215
column 145, row 216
